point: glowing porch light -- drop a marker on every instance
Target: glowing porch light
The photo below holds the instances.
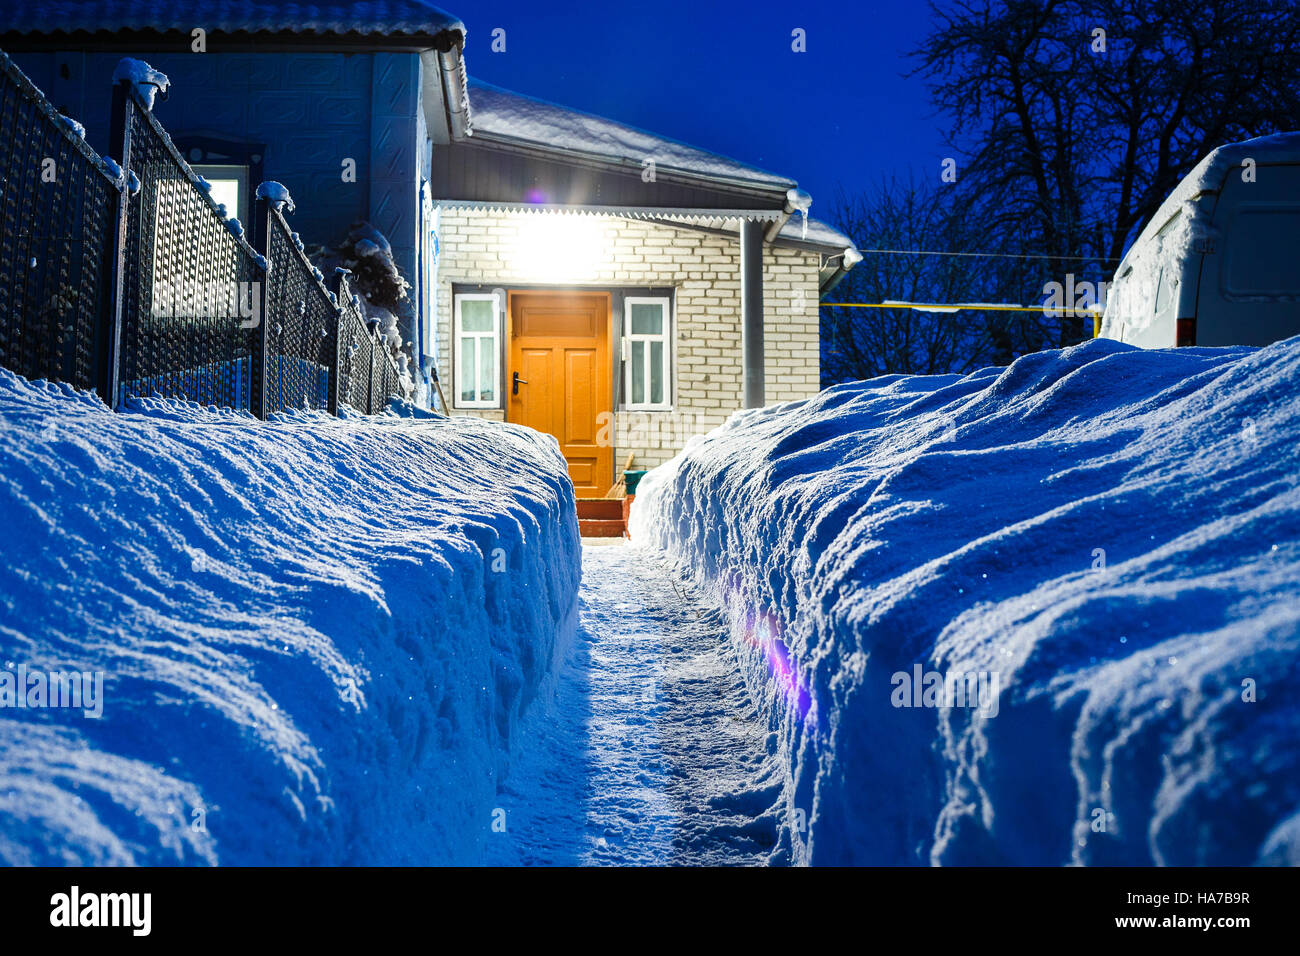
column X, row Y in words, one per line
column 558, row 246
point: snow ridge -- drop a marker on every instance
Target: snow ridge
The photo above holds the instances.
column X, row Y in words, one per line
column 1111, row 534
column 318, row 636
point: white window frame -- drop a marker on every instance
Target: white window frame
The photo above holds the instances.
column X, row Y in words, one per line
column 493, row 341
column 666, row 336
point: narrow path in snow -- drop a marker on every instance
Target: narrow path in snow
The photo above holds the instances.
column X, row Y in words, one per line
column 652, row 751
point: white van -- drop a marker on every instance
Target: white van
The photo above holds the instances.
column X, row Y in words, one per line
column 1219, row 264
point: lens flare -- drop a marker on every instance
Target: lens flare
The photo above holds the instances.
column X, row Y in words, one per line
column 763, row 631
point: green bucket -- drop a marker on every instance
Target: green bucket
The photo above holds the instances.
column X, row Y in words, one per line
column 633, row 478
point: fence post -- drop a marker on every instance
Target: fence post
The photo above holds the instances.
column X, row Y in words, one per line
column 262, row 212
column 343, row 297
column 332, row 396
column 336, row 381
column 119, row 150
column 372, row 329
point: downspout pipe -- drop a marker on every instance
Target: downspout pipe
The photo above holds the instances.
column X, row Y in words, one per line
column 796, row 200
column 751, row 314
column 752, row 239
column 455, row 84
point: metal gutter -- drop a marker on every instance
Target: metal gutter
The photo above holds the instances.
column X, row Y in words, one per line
column 851, row 257
column 701, row 224
column 667, row 213
column 455, row 84
column 796, row 200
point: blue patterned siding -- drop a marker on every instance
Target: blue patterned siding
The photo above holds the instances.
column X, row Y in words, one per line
column 395, row 155
column 311, row 109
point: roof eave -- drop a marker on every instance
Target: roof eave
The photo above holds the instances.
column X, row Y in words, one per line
column 238, row 41
column 771, row 190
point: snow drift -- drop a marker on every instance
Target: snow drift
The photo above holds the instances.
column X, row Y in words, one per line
column 317, row 636
column 1107, row 537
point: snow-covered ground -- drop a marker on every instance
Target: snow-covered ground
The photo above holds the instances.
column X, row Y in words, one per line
column 317, row 637
column 1104, row 541
column 652, row 751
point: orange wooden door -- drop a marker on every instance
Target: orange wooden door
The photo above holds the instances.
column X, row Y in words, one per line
column 559, row 350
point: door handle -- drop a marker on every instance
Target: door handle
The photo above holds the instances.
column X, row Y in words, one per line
column 518, row 381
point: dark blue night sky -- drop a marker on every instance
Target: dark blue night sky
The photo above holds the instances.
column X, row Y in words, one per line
column 705, row 73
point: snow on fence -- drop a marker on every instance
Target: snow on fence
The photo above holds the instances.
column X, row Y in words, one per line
column 148, row 289
column 56, row 239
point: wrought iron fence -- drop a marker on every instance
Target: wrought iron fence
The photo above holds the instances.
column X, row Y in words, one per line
column 357, row 348
column 147, row 289
column 189, row 278
column 301, row 335
column 58, row 210
column 368, row 377
column 384, row 381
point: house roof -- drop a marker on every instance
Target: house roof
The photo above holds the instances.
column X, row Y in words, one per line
column 506, row 117
column 513, row 119
column 819, row 233
column 527, row 155
column 364, row 18
column 265, row 26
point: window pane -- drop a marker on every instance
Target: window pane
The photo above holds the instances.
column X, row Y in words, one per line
column 638, row 374
column 487, row 360
column 656, row 373
column 226, row 193
column 477, row 315
column 647, row 319
column 1260, row 258
column 467, row 366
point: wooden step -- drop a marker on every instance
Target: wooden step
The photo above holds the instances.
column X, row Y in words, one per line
column 601, row 509
column 600, row 528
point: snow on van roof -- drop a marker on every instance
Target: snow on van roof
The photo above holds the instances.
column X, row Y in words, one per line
column 367, row 17
column 1209, row 174
column 1178, row 224
column 501, row 114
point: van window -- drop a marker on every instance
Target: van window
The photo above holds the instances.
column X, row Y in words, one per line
column 1167, row 287
column 1263, row 252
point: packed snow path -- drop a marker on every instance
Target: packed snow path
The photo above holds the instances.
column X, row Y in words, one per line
column 651, row 751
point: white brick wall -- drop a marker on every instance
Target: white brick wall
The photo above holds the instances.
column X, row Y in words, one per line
column 509, row 249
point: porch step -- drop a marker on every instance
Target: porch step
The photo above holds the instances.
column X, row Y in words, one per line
column 600, row 528
column 600, row 509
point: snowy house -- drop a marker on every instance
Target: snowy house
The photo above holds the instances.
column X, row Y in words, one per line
column 617, row 289
column 614, row 288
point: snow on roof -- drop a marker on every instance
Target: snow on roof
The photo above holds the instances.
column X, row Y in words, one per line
column 512, row 117
column 367, row 17
column 819, row 233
